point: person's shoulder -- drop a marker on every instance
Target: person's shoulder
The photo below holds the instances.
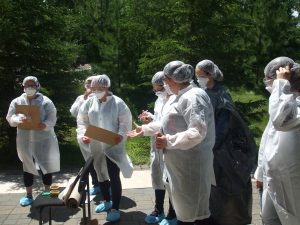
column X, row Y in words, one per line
column 19, row 98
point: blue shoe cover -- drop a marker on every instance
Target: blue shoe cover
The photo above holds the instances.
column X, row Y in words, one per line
column 113, row 215
column 168, row 222
column 25, row 201
column 154, row 218
column 103, row 206
column 95, row 190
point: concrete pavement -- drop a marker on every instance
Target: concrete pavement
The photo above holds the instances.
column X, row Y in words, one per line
column 137, row 201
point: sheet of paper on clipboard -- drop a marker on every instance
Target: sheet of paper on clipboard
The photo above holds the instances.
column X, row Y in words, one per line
column 32, row 112
column 102, row 135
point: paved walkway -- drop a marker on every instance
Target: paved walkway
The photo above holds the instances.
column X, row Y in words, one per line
column 137, row 201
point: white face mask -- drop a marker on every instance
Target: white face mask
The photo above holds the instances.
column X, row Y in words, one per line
column 161, row 94
column 202, row 81
column 30, row 91
column 168, row 90
column 99, row 94
column 269, row 89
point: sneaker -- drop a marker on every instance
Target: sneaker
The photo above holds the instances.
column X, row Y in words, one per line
column 95, row 190
column 103, row 206
column 168, row 221
column 113, row 215
column 154, row 217
column 26, row 201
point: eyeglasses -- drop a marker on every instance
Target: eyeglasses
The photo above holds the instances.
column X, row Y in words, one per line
column 30, row 86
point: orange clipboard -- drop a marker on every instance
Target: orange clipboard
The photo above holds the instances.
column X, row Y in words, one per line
column 102, row 135
column 33, row 113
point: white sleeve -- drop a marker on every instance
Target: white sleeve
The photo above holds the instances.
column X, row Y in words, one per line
column 151, row 128
column 283, row 108
column 194, row 115
column 51, row 118
column 125, row 120
column 12, row 118
column 82, row 117
column 76, row 105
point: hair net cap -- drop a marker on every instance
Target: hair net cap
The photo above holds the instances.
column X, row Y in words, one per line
column 210, row 67
column 32, row 78
column 275, row 64
column 171, row 67
column 101, row 80
column 183, row 74
column 158, row 78
column 90, row 78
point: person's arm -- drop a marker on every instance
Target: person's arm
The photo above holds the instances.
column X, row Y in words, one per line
column 50, row 116
column 222, row 121
column 76, row 105
column 283, row 108
column 194, row 115
column 125, row 120
column 12, row 118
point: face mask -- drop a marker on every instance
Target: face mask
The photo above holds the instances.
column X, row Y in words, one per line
column 168, row 90
column 269, row 89
column 161, row 94
column 202, row 81
column 99, row 94
column 30, row 91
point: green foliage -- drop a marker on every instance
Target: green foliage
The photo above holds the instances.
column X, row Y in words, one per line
column 138, row 150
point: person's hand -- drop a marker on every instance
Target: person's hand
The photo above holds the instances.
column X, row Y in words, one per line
column 23, row 118
column 87, row 93
column 259, row 184
column 41, row 126
column 160, row 141
column 86, row 140
column 145, row 117
column 119, row 139
column 283, row 73
column 137, row 132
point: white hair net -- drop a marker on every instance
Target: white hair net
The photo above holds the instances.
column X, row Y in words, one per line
column 158, row 78
column 171, row 67
column 90, row 78
column 32, row 78
column 211, row 68
column 275, row 64
column 295, row 77
column 183, row 74
column 102, row 80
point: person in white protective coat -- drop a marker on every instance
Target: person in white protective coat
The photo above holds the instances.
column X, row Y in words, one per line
column 156, row 157
column 109, row 112
column 187, row 137
column 279, row 157
column 84, row 147
column 37, row 149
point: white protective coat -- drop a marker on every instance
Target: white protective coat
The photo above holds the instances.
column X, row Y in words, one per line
column 113, row 115
column 84, row 148
column 279, row 157
column 42, row 146
column 156, row 156
column 190, row 131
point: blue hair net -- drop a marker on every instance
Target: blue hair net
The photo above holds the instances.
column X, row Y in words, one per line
column 158, row 78
column 275, row 64
column 101, row 80
column 211, row 68
column 32, row 78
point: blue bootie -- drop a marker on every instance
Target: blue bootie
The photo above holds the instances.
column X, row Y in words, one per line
column 103, row 206
column 168, row 221
column 113, row 215
column 95, row 190
column 26, row 201
column 154, row 217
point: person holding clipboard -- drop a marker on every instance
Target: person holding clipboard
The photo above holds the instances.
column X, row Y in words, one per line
column 34, row 115
column 107, row 119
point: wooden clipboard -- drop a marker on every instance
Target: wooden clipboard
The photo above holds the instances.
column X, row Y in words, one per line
column 33, row 113
column 102, row 135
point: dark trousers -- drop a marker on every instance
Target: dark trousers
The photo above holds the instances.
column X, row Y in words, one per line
column 28, row 179
column 115, row 183
column 94, row 176
column 207, row 221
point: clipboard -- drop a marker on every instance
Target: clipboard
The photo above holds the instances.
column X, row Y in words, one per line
column 32, row 112
column 100, row 134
